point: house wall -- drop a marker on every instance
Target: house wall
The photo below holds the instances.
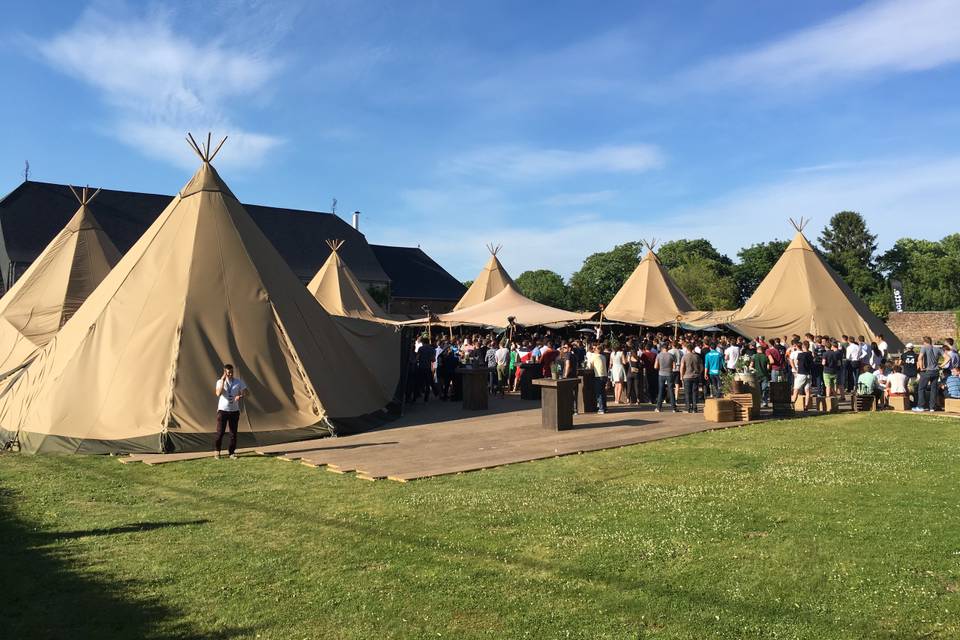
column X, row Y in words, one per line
column 912, row 326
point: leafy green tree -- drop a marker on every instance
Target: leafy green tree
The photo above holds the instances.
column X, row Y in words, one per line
column 677, row 252
column 850, row 248
column 705, row 285
column 602, row 275
column 544, row 286
column 929, row 271
column 467, row 283
column 755, row 262
column 380, row 295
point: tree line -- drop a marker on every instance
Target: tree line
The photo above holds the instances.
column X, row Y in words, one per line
column 929, row 270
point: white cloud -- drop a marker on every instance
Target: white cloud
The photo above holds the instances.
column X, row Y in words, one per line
column 887, row 36
column 160, row 83
column 523, row 163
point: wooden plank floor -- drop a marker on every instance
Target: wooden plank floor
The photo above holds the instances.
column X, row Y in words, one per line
column 440, row 438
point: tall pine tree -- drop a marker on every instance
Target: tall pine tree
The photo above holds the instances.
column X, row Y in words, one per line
column 850, row 248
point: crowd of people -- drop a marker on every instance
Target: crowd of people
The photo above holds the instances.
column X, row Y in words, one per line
column 657, row 367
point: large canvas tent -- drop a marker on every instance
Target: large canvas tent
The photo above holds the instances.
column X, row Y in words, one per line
column 803, row 294
column 649, row 296
column 492, row 280
column 55, row 285
column 510, row 303
column 134, row 368
column 339, row 291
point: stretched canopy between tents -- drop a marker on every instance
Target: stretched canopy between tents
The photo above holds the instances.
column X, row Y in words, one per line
column 509, row 303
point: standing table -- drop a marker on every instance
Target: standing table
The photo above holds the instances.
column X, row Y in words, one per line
column 556, row 410
column 529, row 371
column 475, row 387
column 586, row 396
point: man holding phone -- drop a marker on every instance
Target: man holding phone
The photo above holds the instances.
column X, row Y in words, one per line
column 230, row 390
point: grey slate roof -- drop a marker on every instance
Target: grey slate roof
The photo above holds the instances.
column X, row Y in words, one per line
column 33, row 213
column 414, row 274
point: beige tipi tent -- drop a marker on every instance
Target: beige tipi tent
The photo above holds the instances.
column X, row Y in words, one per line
column 134, row 369
column 802, row 294
column 649, row 296
column 491, row 281
column 339, row 291
column 54, row 286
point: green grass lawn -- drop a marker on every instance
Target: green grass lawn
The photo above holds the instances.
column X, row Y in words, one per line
column 839, row 527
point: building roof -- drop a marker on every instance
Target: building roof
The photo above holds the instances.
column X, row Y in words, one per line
column 414, row 274
column 33, row 213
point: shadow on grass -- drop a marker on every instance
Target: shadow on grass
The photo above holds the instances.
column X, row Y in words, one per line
column 46, row 594
column 133, row 527
column 617, row 589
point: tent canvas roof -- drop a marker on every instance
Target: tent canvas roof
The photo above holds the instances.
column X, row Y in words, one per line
column 510, row 303
column 802, row 294
column 54, row 286
column 337, row 289
column 649, row 296
column 491, row 281
column 134, row 368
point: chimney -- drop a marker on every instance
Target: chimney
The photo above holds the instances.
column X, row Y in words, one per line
column 356, row 220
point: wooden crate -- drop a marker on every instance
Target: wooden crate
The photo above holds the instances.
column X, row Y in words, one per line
column 747, row 405
column 831, row 404
column 899, row 403
column 720, row 410
column 951, row 405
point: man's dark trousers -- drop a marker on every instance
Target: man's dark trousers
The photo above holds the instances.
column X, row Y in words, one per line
column 225, row 420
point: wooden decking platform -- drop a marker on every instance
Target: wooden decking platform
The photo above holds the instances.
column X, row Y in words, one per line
column 440, row 438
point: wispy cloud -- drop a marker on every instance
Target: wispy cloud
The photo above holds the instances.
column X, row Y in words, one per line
column 524, row 163
column 886, row 36
column 160, row 83
column 580, row 199
column 899, row 197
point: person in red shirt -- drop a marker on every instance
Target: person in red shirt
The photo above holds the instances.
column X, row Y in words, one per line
column 775, row 362
column 547, row 356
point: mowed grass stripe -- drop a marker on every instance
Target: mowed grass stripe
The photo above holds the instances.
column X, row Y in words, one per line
column 836, row 527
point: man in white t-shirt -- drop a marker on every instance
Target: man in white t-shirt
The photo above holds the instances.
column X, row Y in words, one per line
column 882, row 344
column 896, row 384
column 230, row 390
column 730, row 356
column 502, row 359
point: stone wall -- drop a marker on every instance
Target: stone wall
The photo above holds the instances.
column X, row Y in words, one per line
column 911, row 326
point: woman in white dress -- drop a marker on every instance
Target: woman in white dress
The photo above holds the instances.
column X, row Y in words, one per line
column 618, row 373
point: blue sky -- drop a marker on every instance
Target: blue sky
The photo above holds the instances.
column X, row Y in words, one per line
column 555, row 129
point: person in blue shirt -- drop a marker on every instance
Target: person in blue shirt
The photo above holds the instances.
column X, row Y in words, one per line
column 712, row 366
column 951, row 386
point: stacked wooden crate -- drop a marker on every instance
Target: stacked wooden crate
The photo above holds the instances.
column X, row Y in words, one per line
column 720, row 410
column 780, row 398
column 746, row 406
